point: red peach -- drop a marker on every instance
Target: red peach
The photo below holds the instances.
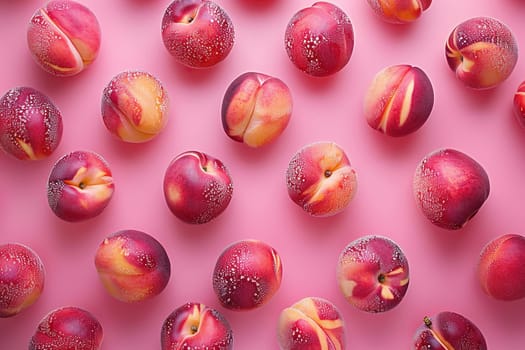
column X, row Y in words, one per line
column 256, row 109
column 450, row 187
column 482, row 52
column 448, row 330
column 22, row 277
column 64, row 37
column 319, row 40
column 80, row 186
column 196, row 326
column 320, row 179
column 30, row 124
column 198, row 33
column 135, row 106
column 197, row 187
column 311, row 323
column 399, row 100
column 132, row 265
column 247, row 275
column 399, row 11
column 68, row 328
column 373, row 274
column 501, row 267
column 518, row 104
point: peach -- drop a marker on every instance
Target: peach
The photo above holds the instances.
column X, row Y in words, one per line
column 372, row 273
column 22, row 278
column 135, row 106
column 518, row 104
column 132, row 265
column 68, row 328
column 482, row 52
column 197, row 33
column 399, row 100
column 30, row 124
column 399, row 11
column 64, row 37
column 256, row 109
column 319, row 40
column 197, row 187
column 450, row 187
column 448, row 330
column 247, row 275
column 501, row 267
column 80, row 186
column 311, row 323
column 196, row 326
column 320, row 179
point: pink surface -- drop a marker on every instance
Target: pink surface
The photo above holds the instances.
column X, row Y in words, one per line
column 442, row 263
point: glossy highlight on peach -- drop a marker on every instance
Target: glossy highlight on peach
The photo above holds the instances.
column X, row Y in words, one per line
column 399, row 11
column 256, row 109
column 64, row 37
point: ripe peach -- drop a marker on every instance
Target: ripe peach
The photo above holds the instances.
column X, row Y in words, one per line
column 399, row 100
column 247, row 275
column 68, row 328
column 135, row 106
column 450, row 187
column 320, row 179
column 518, row 104
column 196, row 326
column 198, row 33
column 256, row 109
column 197, row 187
column 30, row 124
column 448, row 330
column 311, row 323
column 132, row 265
column 501, row 267
column 80, row 186
column 22, row 277
column 64, row 37
column 482, row 51
column 399, row 11
column 372, row 273
column 319, row 40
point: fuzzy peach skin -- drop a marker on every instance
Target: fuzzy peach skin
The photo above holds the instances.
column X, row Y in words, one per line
column 132, row 265
column 501, row 267
column 135, row 106
column 197, row 187
column 448, row 331
column 247, row 275
column 80, row 186
column 518, row 104
column 482, row 52
column 319, row 40
column 68, row 328
column 197, row 33
column 450, row 187
column 399, row 11
column 399, row 100
column 256, row 109
column 64, row 37
column 373, row 273
column 196, row 326
column 311, row 323
column 22, row 278
column 30, row 124
column 320, row 179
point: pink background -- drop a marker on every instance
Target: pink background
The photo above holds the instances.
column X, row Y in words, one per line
column 442, row 263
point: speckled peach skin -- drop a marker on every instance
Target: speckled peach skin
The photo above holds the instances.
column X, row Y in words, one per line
column 399, row 11
column 482, row 51
column 197, row 33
